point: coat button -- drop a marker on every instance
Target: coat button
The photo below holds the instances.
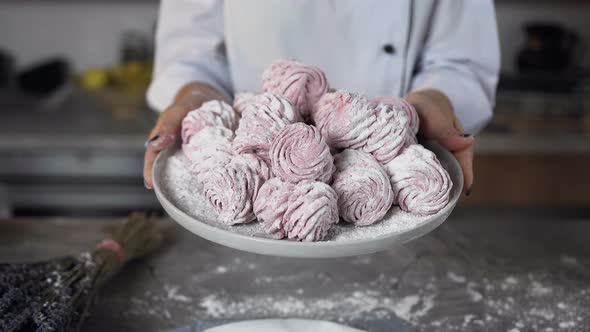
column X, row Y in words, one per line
column 389, row 49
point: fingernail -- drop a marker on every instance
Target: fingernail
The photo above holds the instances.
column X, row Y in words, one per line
column 468, row 192
column 148, row 187
column 466, row 135
column 151, row 140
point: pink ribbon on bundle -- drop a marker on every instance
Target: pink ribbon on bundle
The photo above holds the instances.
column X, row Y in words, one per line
column 232, row 188
column 302, row 84
column 305, row 211
column 300, row 153
column 263, row 117
column 351, row 121
column 363, row 188
column 420, row 183
column 113, row 246
column 213, row 113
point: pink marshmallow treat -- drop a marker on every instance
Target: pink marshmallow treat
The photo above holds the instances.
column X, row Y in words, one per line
column 213, row 113
column 262, row 118
column 303, row 85
column 231, row 189
column 420, row 183
column 305, row 211
column 351, row 121
column 400, row 104
column 209, row 148
column 299, row 153
column 363, row 188
column 271, row 204
column 390, row 133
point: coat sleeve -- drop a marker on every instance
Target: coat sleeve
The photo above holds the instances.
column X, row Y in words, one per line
column 189, row 47
column 461, row 58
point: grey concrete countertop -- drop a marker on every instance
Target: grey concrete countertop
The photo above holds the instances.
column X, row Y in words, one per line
column 503, row 273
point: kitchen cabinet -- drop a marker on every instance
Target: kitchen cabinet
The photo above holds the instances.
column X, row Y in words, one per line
column 549, row 181
column 531, row 179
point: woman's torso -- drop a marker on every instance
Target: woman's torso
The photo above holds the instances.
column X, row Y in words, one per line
column 363, row 46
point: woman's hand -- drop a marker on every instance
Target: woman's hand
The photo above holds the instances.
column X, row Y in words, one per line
column 167, row 129
column 438, row 122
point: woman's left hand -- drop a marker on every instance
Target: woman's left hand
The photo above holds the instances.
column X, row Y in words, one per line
column 438, row 122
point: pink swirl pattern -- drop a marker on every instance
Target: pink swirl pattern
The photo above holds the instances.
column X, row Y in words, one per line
column 333, row 101
column 231, row 189
column 213, row 113
column 302, row 84
column 349, row 121
column 305, row 211
column 262, row 118
column 390, row 133
column 344, row 119
column 300, row 153
column 363, row 188
column 209, row 148
column 271, row 205
column 255, row 164
column 420, row 183
column 401, row 105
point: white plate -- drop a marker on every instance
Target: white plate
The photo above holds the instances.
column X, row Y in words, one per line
column 202, row 222
column 283, row 325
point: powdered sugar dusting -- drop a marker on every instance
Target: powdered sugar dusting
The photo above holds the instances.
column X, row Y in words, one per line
column 185, row 192
column 347, row 304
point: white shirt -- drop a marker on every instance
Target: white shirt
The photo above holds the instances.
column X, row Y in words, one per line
column 449, row 45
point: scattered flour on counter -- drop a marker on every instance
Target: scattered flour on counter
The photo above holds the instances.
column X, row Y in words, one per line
column 484, row 308
column 183, row 190
column 346, row 304
column 172, row 294
column 537, row 289
column 568, row 260
column 467, row 319
column 456, row 278
column 509, row 282
column 405, row 305
column 473, row 293
column 221, row 270
column 565, row 325
column 543, row 313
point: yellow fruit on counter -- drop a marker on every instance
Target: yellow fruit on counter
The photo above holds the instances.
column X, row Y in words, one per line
column 94, row 79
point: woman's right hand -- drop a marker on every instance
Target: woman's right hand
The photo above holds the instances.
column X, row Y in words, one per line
column 166, row 132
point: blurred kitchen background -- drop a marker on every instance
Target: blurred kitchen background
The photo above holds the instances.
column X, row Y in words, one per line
column 73, row 119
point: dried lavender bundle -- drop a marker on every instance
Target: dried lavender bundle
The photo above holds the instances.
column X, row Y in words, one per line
column 55, row 295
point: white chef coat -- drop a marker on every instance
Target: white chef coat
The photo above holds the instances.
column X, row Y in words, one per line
column 374, row 47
